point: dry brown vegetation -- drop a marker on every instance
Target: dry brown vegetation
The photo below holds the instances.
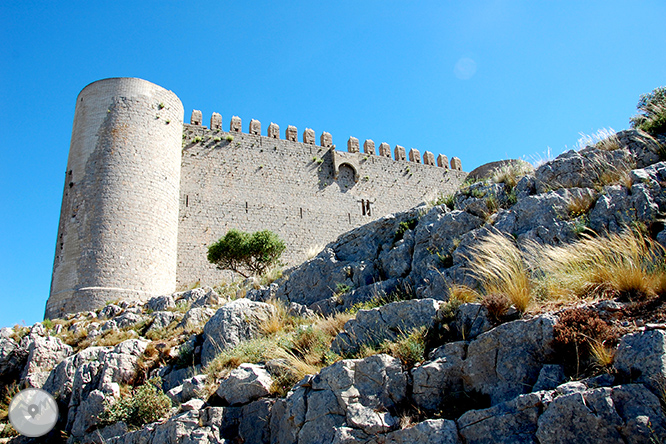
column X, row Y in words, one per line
column 628, row 265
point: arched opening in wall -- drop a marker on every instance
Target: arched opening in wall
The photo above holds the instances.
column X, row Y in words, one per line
column 346, row 177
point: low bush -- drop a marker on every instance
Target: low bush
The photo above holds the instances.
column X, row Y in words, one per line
column 583, row 342
column 651, row 116
column 145, row 404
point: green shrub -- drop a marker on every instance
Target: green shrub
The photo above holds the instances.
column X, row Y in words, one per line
column 246, row 254
column 403, row 227
column 145, row 404
column 651, row 116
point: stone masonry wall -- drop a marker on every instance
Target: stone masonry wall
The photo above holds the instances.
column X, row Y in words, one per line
column 253, row 182
column 117, row 236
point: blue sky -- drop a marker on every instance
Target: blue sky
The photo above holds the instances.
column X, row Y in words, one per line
column 482, row 80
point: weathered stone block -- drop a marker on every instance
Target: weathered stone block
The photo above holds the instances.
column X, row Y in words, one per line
column 326, row 140
column 216, row 121
column 456, row 164
column 352, row 145
column 255, row 127
column 369, row 147
column 235, row 125
column 399, row 153
column 273, row 131
column 442, row 161
column 414, row 155
column 291, row 133
column 309, row 136
column 196, row 118
column 385, row 150
column 428, row 158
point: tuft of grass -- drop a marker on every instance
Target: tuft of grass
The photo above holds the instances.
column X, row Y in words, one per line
column 409, row 348
column 628, row 264
column 604, row 139
column 510, row 174
column 498, row 265
column 229, row 138
column 313, row 251
column 115, row 337
column 581, row 205
column 197, row 139
column 444, row 199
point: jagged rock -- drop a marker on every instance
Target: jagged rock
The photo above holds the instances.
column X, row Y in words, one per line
column 437, row 236
column 550, row 376
column 505, row 361
column 193, row 387
column 236, row 321
column 181, row 429
column 472, row 320
column 431, row 431
column 246, row 383
column 88, row 413
column 192, row 404
column 618, row 207
column 369, row 420
column 96, row 368
column 161, row 320
column 43, row 355
column 254, row 422
column 397, row 261
column 582, row 169
column 351, row 260
column 315, row 407
column 434, row 380
column 643, row 147
column 195, row 318
column 387, row 322
column 511, row 422
column 127, row 319
column 642, row 357
column 160, row 303
column 199, row 297
column 628, row 413
column 296, row 309
column 105, row 434
column 110, row 311
column 173, row 377
column 12, row 358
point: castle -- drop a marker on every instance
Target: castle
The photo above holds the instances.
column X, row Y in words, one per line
column 145, row 194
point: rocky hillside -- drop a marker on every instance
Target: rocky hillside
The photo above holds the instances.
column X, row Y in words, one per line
column 448, row 323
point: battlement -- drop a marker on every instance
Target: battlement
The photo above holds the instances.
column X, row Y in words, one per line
column 326, row 141
column 143, row 200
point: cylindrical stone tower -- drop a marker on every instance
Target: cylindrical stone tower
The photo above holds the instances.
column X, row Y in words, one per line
column 118, row 230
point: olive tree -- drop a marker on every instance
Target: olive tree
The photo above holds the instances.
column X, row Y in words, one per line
column 246, row 254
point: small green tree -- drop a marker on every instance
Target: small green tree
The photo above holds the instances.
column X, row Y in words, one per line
column 652, row 112
column 246, row 253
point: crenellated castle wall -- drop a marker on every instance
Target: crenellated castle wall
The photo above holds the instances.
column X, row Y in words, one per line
column 145, row 195
column 307, row 193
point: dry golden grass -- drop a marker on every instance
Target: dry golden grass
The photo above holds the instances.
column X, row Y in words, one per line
column 313, row 251
column 628, row 265
column 581, row 205
column 498, row 265
column 510, row 174
column 463, row 294
column 602, row 355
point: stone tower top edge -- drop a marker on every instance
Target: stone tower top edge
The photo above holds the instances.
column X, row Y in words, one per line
column 130, row 83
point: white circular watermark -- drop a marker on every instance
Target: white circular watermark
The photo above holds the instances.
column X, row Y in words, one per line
column 33, row 412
